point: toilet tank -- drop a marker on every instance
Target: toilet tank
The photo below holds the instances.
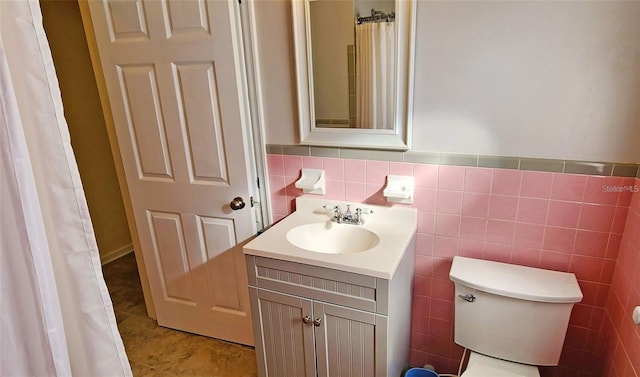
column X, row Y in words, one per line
column 511, row 312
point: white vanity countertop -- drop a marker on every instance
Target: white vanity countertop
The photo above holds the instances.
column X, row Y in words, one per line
column 395, row 226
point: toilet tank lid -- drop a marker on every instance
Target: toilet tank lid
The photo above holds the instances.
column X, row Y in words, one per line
column 526, row 283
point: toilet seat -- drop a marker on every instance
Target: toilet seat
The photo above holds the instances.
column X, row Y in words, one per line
column 483, row 366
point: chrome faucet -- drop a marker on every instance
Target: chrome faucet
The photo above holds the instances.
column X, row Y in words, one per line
column 348, row 217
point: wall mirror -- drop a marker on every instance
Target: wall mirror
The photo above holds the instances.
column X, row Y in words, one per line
column 354, row 72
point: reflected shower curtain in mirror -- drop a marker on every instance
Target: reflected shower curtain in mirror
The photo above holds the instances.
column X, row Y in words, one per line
column 375, row 75
column 57, row 318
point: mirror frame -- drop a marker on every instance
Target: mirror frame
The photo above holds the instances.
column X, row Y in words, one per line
column 397, row 138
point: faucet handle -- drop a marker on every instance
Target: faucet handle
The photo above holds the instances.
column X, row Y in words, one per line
column 359, row 212
column 337, row 211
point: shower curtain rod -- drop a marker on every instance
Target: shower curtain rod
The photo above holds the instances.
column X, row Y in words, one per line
column 376, row 16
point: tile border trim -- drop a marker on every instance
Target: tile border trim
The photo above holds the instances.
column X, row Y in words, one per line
column 607, row 169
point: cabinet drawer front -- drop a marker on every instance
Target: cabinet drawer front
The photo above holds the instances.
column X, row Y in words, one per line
column 319, row 283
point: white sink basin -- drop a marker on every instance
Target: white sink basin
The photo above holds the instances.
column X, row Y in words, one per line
column 332, row 238
column 308, row 236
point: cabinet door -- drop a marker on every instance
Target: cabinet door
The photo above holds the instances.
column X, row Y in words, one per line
column 349, row 342
column 285, row 345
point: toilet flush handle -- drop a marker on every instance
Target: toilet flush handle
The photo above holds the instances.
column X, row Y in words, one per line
column 468, row 297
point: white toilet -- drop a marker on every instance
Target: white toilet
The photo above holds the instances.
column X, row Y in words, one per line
column 512, row 318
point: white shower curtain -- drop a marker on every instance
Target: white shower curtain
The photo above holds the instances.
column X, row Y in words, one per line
column 375, row 75
column 56, row 317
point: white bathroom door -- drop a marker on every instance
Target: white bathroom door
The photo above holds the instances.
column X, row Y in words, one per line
column 174, row 76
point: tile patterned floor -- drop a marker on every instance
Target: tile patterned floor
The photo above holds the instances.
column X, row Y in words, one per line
column 161, row 352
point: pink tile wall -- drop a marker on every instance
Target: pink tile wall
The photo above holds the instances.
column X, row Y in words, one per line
column 622, row 336
column 564, row 222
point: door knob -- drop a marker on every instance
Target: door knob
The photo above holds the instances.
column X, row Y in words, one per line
column 317, row 322
column 306, row 319
column 237, row 203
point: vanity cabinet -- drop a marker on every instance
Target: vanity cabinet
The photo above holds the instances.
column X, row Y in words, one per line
column 297, row 333
column 315, row 321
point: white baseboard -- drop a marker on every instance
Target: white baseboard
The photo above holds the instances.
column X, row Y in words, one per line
column 115, row 254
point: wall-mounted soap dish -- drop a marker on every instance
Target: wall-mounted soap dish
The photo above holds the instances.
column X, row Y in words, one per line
column 399, row 189
column 311, row 181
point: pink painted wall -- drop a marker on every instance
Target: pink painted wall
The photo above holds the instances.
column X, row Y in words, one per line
column 557, row 221
column 622, row 345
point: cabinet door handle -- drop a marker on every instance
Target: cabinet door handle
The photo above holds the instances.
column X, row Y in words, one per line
column 306, row 320
column 317, row 322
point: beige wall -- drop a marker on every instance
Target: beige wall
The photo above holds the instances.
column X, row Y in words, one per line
column 65, row 32
column 544, row 79
column 530, row 79
column 276, row 66
column 363, row 7
column 330, row 63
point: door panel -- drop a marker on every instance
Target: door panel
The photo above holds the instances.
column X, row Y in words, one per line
column 170, row 251
column 144, row 119
column 188, row 17
column 198, row 101
column 218, row 236
column 126, row 19
column 174, row 77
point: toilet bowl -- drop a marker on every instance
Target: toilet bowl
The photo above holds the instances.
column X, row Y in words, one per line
column 484, row 366
column 512, row 318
